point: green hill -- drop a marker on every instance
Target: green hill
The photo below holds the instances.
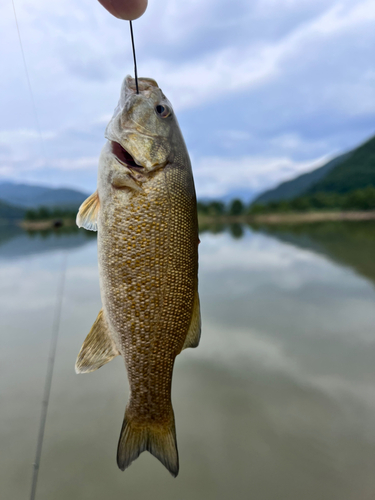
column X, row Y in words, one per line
column 347, row 173
column 356, row 172
column 298, row 186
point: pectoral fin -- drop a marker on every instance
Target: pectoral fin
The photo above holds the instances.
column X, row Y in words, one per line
column 98, row 347
column 194, row 334
column 87, row 216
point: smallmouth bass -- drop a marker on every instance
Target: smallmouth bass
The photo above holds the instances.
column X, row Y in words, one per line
column 144, row 211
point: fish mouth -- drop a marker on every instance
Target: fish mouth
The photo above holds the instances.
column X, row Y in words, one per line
column 123, row 156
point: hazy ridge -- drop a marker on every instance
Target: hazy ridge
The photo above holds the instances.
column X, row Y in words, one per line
column 346, row 173
column 9, row 212
column 32, row 196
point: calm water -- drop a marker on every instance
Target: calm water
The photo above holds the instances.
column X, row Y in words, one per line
column 278, row 401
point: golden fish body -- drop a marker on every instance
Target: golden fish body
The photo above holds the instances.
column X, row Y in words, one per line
column 145, row 214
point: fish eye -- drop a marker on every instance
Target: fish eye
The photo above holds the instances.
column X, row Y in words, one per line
column 163, row 110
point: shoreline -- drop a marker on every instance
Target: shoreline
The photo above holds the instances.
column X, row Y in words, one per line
column 41, row 225
column 289, row 218
column 271, row 218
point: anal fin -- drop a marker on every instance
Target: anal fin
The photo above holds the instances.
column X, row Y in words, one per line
column 194, row 334
column 98, row 347
column 87, row 216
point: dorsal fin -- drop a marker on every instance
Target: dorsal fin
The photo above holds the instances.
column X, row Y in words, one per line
column 98, row 347
column 87, row 216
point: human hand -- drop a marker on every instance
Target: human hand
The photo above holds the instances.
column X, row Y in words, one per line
column 125, row 9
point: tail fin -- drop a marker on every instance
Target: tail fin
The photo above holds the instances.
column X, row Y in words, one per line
column 159, row 440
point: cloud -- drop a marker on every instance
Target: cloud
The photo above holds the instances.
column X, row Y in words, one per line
column 24, row 134
column 215, row 176
column 273, row 83
column 262, row 254
column 60, row 165
column 230, row 69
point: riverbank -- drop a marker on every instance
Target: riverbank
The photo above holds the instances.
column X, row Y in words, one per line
column 41, row 225
column 270, row 218
column 289, row 218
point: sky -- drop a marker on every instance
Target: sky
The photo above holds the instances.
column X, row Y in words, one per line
column 263, row 89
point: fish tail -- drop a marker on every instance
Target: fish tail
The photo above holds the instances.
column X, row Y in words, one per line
column 157, row 438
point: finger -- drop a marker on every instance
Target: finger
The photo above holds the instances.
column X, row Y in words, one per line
column 125, row 9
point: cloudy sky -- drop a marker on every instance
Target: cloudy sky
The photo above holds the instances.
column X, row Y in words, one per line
column 263, row 89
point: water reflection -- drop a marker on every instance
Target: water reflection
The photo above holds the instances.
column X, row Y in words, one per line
column 277, row 401
column 347, row 243
column 16, row 243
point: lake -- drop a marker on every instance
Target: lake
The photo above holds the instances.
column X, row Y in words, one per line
column 277, row 402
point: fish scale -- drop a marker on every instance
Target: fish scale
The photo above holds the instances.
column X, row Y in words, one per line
column 148, row 264
column 150, row 338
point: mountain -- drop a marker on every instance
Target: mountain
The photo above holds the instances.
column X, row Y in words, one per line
column 246, row 195
column 349, row 172
column 30, row 196
column 298, row 186
column 356, row 172
column 10, row 213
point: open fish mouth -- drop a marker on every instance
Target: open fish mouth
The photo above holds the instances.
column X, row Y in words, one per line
column 124, row 156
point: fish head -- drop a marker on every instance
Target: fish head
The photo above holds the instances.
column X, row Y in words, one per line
column 143, row 127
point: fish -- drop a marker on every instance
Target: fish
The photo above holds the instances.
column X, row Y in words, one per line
column 145, row 215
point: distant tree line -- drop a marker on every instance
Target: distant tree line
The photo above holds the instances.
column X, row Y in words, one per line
column 361, row 199
column 215, row 208
column 46, row 213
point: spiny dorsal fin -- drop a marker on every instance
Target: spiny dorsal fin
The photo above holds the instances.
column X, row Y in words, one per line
column 87, row 216
column 98, row 347
column 194, row 334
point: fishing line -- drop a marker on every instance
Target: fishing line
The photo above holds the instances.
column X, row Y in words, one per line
column 49, row 374
column 57, row 312
column 135, row 61
column 29, row 84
